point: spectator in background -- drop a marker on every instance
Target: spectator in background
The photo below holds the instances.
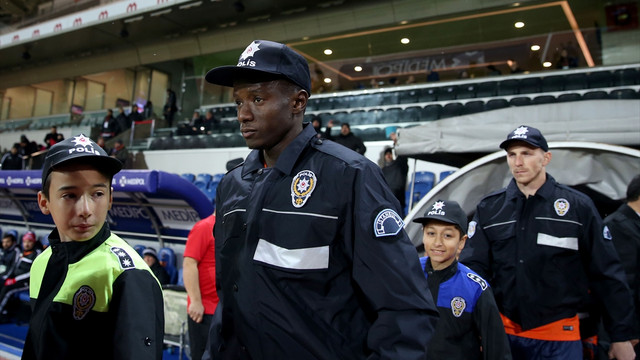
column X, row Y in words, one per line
column 209, row 124
column 147, row 111
column 346, row 138
column 12, row 159
column 121, row 153
column 135, row 115
column 199, row 273
column 18, row 277
column 150, row 256
column 395, row 172
column 433, row 76
column 514, row 68
column 53, row 137
column 492, row 70
column 123, row 120
column 27, row 147
column 9, row 255
column 110, row 127
column 624, row 225
column 101, row 143
column 170, row 107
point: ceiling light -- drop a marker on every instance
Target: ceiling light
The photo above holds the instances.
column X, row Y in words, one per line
column 405, row 41
column 357, row 68
column 404, row 22
column 519, row 25
column 535, row 47
column 328, row 51
column 546, row 64
column 327, row 80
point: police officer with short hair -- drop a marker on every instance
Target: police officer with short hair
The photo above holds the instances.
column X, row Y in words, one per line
column 542, row 247
column 312, row 261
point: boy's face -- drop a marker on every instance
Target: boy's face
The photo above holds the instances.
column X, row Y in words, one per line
column 79, row 199
column 6, row 242
column 27, row 245
column 442, row 243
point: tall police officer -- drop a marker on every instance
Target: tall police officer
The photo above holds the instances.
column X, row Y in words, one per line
column 542, row 247
column 312, row 261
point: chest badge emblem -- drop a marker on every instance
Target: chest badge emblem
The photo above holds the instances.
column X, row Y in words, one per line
column 561, row 206
column 458, row 305
column 83, row 301
column 302, row 186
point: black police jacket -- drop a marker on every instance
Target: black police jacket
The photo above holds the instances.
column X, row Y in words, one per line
column 312, row 261
column 543, row 254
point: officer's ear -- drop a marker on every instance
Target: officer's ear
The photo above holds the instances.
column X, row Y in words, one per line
column 547, row 158
column 300, row 100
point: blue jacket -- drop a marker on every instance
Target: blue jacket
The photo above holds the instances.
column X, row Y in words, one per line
column 312, row 261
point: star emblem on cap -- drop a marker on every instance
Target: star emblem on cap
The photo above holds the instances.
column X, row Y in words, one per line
column 438, row 205
column 81, row 140
column 521, row 130
column 250, row 50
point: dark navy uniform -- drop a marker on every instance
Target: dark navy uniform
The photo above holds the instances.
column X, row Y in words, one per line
column 469, row 318
column 543, row 254
column 312, row 261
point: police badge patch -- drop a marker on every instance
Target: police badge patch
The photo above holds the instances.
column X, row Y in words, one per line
column 606, row 233
column 83, row 301
column 387, row 223
column 561, row 206
column 302, row 186
column 126, row 262
column 458, row 305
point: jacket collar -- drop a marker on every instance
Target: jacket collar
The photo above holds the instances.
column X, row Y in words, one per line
column 287, row 159
column 546, row 190
column 76, row 250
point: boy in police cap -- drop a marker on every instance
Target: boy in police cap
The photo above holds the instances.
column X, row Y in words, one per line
column 470, row 326
column 92, row 295
column 544, row 249
column 312, row 261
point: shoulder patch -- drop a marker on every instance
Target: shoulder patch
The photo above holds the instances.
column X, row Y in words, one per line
column 126, row 262
column 483, row 284
column 83, row 301
column 387, row 223
column 472, row 229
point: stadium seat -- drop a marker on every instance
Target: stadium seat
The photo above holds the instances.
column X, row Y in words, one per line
column 355, row 117
column 390, row 116
column 495, row 104
column 472, row 107
column 167, row 258
column 428, row 94
column 451, row 110
column 569, row 97
column 372, row 117
column 139, row 248
column 373, row 100
column 189, row 177
column 372, row 134
column 390, row 98
column 431, row 112
column 508, row 87
column 448, row 93
column 157, row 143
column 487, row 89
column 624, row 94
column 411, row 114
column 622, row 77
column 444, row 174
column 530, row 85
column 467, row 91
column 520, row 101
column 324, row 104
column 408, row 97
column 575, row 82
column 180, row 277
column 595, row 95
column 424, row 181
column 599, row 79
column 552, row 83
column 543, row 99
column 358, row 101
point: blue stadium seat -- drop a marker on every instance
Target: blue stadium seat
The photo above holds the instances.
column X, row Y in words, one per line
column 180, row 277
column 444, row 174
column 189, row 177
column 139, row 248
column 424, row 181
column 167, row 258
column 202, row 181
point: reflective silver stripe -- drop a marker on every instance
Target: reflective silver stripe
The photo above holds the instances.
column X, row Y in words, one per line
column 314, row 258
column 559, row 220
column 235, row 210
column 498, row 224
column 565, row 243
column 301, row 213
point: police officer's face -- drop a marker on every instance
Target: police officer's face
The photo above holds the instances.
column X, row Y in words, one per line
column 266, row 112
column 527, row 164
column 442, row 243
column 79, row 199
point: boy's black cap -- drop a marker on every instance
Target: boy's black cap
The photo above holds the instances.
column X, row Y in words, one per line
column 447, row 211
column 527, row 134
column 78, row 148
column 263, row 56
